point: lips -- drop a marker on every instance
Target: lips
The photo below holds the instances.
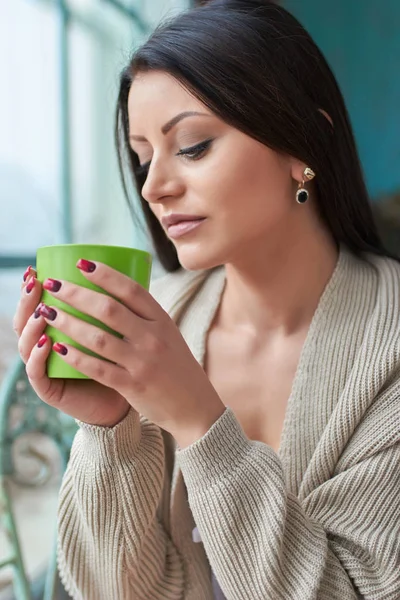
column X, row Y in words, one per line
column 174, row 219
column 179, row 225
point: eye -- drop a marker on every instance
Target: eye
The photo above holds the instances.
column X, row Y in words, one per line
column 192, row 153
column 197, row 151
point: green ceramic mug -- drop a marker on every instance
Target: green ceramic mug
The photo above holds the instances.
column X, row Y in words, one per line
column 59, row 262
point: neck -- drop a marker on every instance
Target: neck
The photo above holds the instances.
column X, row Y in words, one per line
column 279, row 287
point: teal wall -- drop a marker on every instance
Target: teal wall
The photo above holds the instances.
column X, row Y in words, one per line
column 361, row 40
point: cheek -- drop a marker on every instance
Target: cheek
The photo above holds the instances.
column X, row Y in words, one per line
column 253, row 189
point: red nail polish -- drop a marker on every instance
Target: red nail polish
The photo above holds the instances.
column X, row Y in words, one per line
column 27, row 273
column 36, row 314
column 47, row 312
column 60, row 349
column 86, row 265
column 53, row 285
column 30, row 285
column 42, row 341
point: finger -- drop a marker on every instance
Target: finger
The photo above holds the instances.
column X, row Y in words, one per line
column 89, row 336
column 106, row 373
column 129, row 292
column 29, row 299
column 30, row 271
column 36, row 371
column 105, row 309
column 30, row 334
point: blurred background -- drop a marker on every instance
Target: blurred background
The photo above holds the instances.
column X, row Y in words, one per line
column 59, row 182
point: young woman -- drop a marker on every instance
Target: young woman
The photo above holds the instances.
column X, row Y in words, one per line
column 244, row 441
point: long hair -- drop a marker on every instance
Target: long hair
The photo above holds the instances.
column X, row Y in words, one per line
column 254, row 66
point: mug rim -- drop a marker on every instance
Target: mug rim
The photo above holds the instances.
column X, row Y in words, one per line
column 94, row 246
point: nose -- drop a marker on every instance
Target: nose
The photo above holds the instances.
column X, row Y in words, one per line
column 161, row 183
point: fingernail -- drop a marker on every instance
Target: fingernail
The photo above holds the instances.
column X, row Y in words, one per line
column 27, row 273
column 30, row 285
column 42, row 341
column 47, row 312
column 86, row 265
column 36, row 314
column 60, row 348
column 53, row 285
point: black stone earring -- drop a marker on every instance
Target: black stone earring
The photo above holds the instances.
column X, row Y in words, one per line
column 302, row 194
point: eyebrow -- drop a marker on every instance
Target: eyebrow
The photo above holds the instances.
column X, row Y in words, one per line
column 170, row 124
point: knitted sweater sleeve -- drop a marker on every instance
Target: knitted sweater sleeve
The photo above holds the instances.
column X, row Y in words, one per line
column 341, row 541
column 112, row 542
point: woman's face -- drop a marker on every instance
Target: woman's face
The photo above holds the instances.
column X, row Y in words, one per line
column 219, row 194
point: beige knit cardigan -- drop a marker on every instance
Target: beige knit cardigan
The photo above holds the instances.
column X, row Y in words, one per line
column 320, row 519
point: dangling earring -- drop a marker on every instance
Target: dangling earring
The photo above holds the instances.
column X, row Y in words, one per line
column 302, row 194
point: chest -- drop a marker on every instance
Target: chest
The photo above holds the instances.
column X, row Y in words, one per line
column 255, row 381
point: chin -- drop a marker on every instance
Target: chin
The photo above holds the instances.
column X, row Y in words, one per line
column 198, row 260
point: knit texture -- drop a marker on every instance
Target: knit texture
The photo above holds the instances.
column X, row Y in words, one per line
column 320, row 519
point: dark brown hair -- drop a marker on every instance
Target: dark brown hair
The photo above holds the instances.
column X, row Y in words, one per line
column 254, row 65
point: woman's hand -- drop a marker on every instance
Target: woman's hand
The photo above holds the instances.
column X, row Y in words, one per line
column 87, row 401
column 151, row 366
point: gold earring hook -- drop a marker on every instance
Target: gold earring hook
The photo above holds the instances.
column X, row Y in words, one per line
column 308, row 174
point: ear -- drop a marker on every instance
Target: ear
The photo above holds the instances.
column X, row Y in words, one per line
column 297, row 170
